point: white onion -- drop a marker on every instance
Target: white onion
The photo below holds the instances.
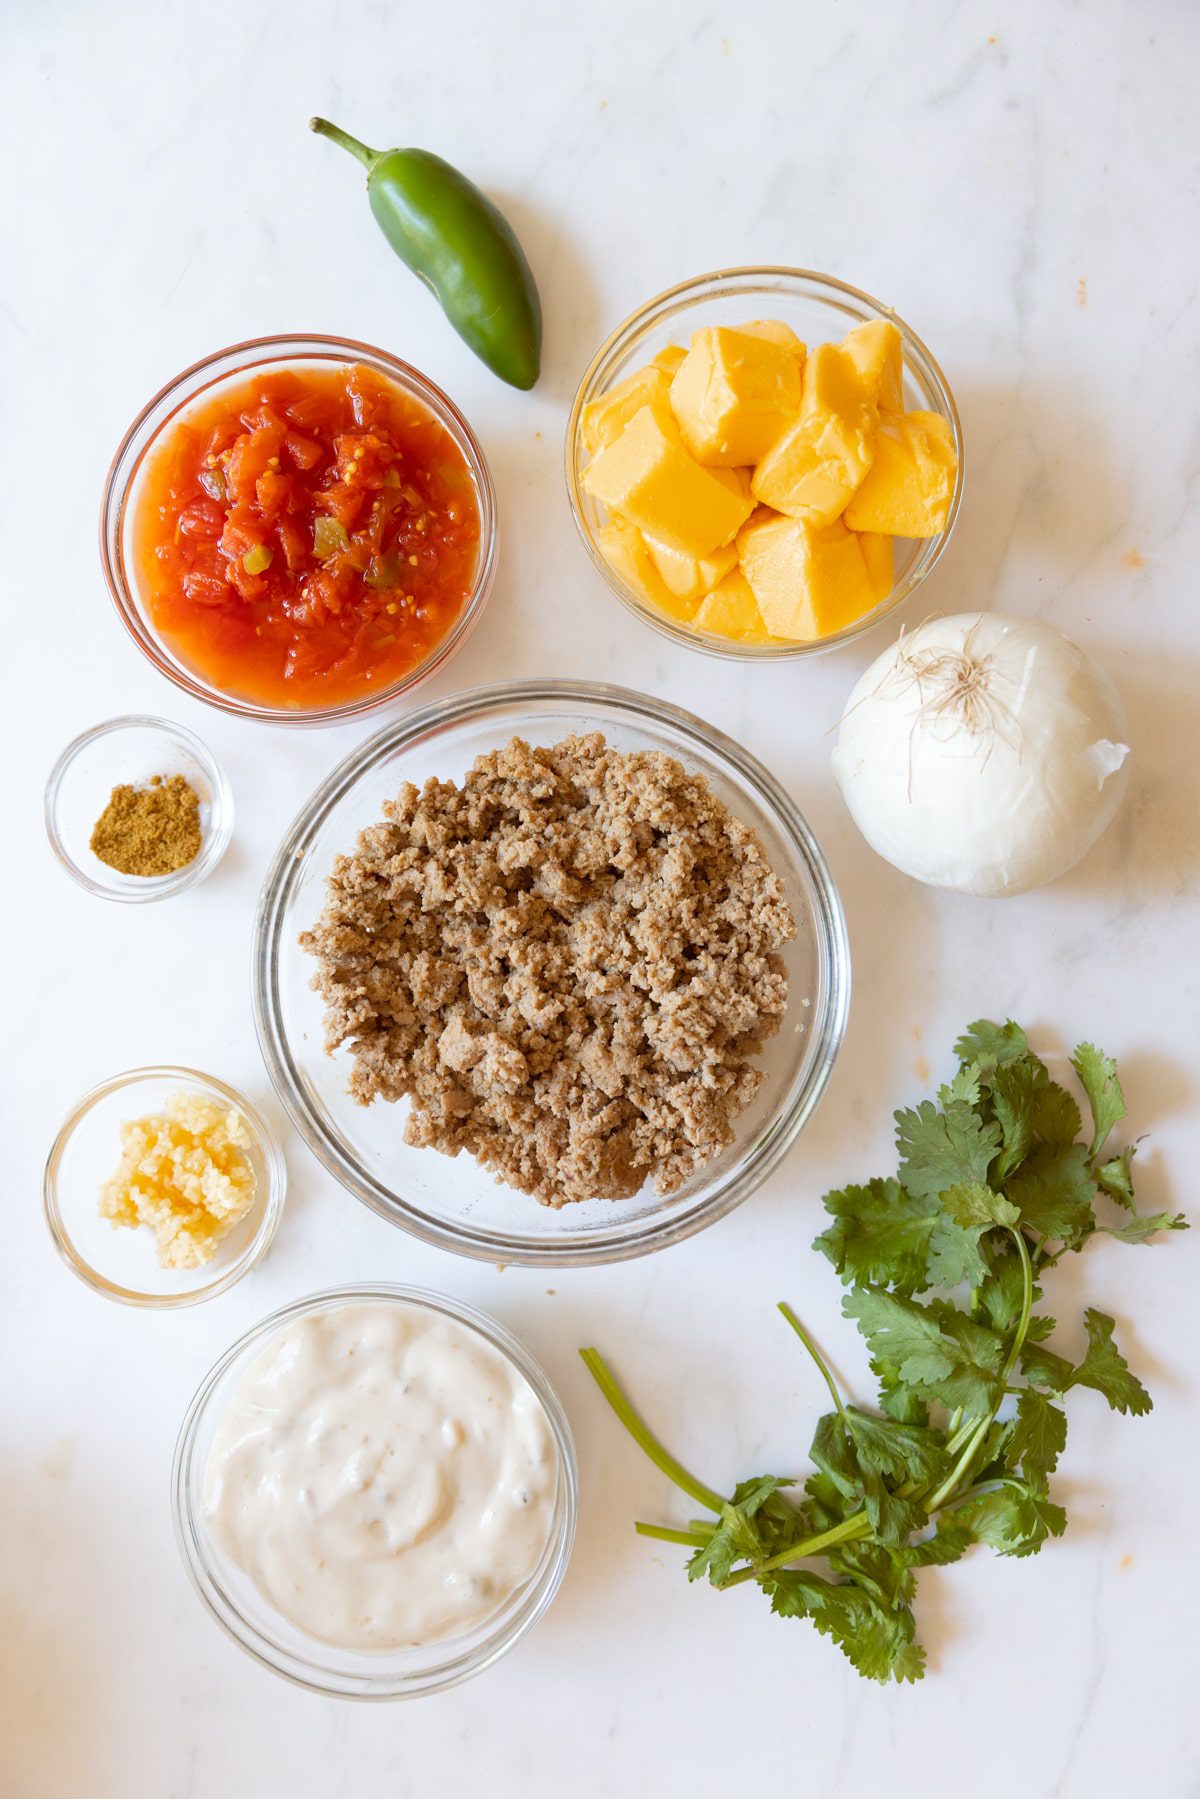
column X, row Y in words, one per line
column 983, row 752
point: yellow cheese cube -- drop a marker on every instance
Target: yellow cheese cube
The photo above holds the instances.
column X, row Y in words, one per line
column 649, row 478
column 668, row 360
column 733, row 394
column 875, row 350
column 775, row 332
column 627, row 553
column 877, row 554
column 813, row 470
column 731, row 610
column 737, row 480
column 604, row 419
column 808, row 583
column 908, row 490
column 690, row 577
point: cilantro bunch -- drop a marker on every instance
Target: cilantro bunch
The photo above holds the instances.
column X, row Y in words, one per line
column 994, row 1187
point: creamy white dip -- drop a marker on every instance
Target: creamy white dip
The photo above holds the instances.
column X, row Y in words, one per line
column 383, row 1475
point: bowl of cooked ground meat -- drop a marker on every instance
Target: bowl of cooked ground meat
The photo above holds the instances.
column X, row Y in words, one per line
column 550, row 973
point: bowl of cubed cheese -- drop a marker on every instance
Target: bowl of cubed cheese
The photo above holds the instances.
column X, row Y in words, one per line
column 763, row 463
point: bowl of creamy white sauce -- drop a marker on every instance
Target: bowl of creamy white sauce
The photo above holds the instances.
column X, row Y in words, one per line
column 375, row 1491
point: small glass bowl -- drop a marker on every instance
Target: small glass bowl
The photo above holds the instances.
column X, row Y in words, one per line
column 451, row 1201
column 819, row 309
column 238, row 1606
column 119, row 505
column 132, row 750
column 121, row 1263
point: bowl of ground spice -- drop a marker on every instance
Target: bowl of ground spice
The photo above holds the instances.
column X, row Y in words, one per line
column 137, row 809
column 550, row 973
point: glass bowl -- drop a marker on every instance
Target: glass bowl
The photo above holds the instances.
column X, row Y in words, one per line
column 819, row 309
column 452, row 1202
column 121, row 1263
column 122, row 487
column 132, row 750
column 237, row 1605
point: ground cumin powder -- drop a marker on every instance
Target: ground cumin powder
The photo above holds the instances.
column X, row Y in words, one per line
column 151, row 830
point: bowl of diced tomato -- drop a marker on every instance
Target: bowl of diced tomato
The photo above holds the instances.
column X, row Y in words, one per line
column 298, row 529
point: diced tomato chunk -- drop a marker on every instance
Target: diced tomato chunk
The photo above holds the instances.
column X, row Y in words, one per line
column 202, row 518
column 363, row 459
column 250, row 457
column 296, row 540
column 305, row 452
column 271, row 491
column 206, row 590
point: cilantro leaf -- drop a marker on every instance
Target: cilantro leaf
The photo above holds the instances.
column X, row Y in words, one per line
column 1038, row 1438
column 1014, row 1091
column 1013, row 1519
column 880, row 1234
column 971, row 1204
column 949, row 1542
column 996, row 1044
column 881, row 1570
column 826, row 1504
column 1001, row 1298
column 1105, row 1369
column 941, row 1148
column 1053, row 1190
column 962, row 1085
column 899, row 1452
column 1115, row 1177
column 1046, row 1368
column 753, row 1524
column 878, row 1643
column 990, row 1462
column 897, row 1400
column 1144, row 1225
column 1098, row 1078
column 1056, row 1117
column 939, row 1359
column 860, row 1454
column 833, row 1453
column 893, row 1516
column 969, row 1210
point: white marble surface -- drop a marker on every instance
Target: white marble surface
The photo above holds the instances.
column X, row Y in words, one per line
column 1020, row 182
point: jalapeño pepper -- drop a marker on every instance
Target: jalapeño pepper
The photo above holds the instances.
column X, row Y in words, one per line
column 463, row 249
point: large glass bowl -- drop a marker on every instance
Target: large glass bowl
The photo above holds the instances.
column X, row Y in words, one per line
column 227, row 367
column 453, row 1202
column 820, row 309
column 252, row 1621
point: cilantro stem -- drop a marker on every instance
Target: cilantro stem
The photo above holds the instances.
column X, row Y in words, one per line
column 816, row 1355
column 1026, row 1307
column 645, row 1439
column 692, row 1539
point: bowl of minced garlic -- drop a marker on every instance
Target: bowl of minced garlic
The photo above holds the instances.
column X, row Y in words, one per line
column 163, row 1187
column 137, row 809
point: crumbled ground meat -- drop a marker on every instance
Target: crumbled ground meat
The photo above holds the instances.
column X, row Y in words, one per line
column 566, row 963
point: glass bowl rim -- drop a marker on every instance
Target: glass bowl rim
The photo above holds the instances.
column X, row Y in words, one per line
column 826, row 920
column 185, row 387
column 192, row 1543
column 154, row 887
column 271, row 1203
column 754, row 278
